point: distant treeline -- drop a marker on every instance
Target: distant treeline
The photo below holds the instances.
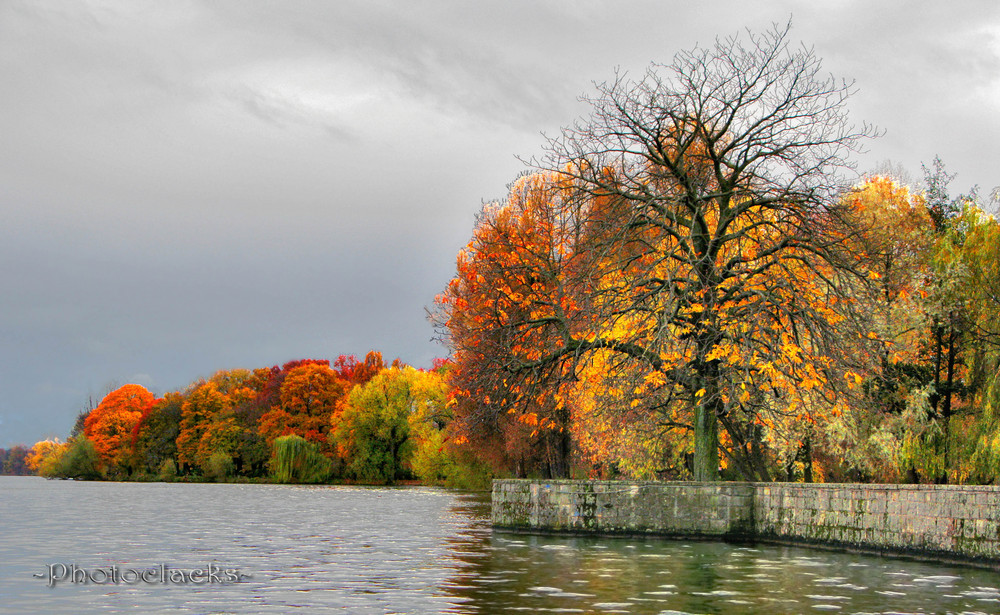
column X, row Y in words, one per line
column 306, row 421
column 13, row 461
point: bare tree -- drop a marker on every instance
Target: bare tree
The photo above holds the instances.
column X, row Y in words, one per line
column 706, row 197
column 727, row 166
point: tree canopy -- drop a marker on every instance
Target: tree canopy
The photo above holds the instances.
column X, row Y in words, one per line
column 688, row 228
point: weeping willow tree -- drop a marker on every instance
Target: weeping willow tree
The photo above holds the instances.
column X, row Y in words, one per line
column 295, row 460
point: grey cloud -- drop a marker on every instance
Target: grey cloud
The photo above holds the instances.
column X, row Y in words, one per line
column 192, row 186
column 281, row 111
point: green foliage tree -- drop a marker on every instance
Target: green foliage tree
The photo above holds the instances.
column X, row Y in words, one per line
column 77, row 459
column 154, row 438
column 372, row 433
column 978, row 445
column 925, row 322
column 296, row 460
column 434, row 459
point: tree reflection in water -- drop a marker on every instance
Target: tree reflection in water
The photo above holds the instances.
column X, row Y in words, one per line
column 506, row 572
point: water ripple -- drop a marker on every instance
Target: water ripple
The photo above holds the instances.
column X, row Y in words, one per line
column 417, row 550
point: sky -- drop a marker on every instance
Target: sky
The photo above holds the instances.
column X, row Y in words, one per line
column 191, row 186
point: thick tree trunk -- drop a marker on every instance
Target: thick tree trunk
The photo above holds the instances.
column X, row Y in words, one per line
column 706, row 442
column 561, row 445
column 564, row 450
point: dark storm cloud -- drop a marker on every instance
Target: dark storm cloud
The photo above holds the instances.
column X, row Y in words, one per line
column 192, row 186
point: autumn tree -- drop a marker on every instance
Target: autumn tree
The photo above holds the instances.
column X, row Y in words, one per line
column 76, row 458
column 308, row 392
column 359, row 372
column 42, row 451
column 253, row 452
column 207, row 423
column 707, row 193
column 109, row 426
column 881, row 334
column 154, row 437
column 517, row 269
column 372, row 432
column 923, row 321
column 14, row 461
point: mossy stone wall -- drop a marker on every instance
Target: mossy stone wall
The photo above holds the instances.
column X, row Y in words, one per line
column 941, row 521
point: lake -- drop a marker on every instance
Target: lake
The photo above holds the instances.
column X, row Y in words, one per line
column 103, row 547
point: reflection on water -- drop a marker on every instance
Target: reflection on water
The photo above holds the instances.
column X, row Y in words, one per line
column 417, row 550
column 527, row 573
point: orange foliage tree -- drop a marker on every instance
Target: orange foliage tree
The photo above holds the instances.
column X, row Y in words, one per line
column 302, row 396
column 310, row 395
column 207, row 410
column 510, row 304
column 881, row 334
column 109, row 425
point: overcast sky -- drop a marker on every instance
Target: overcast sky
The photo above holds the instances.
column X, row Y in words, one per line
column 194, row 186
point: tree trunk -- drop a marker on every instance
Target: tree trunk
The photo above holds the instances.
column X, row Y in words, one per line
column 938, row 344
column 706, row 441
column 946, row 405
column 757, row 454
column 807, row 462
column 562, row 445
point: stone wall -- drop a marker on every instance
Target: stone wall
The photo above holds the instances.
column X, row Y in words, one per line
column 616, row 507
column 951, row 522
column 937, row 520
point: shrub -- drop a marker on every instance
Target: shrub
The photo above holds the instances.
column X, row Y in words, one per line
column 219, row 466
column 167, row 471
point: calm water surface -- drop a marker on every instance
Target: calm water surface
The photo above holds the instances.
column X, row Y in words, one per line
column 414, row 550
